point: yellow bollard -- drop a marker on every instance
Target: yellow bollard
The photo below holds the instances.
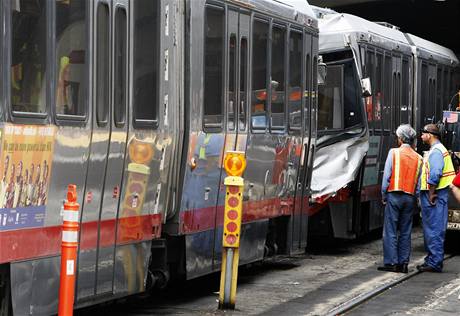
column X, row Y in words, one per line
column 234, row 164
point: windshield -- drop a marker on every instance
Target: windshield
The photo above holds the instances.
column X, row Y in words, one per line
column 339, row 101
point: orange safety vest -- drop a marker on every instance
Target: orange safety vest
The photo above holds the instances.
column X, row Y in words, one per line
column 406, row 168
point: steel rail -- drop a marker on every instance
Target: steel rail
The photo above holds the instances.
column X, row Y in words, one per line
column 362, row 298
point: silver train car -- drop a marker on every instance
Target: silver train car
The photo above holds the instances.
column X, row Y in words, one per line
column 136, row 103
column 411, row 81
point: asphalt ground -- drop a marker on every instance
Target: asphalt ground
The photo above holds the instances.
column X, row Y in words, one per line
column 311, row 284
column 424, row 294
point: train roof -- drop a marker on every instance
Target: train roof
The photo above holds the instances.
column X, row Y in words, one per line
column 429, row 50
column 296, row 10
column 334, row 26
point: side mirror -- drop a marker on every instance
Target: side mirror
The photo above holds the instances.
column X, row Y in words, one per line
column 366, row 87
column 322, row 72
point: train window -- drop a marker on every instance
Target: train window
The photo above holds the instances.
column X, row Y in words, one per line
column 314, row 91
column 394, row 102
column 425, row 110
column 339, row 100
column 295, row 80
column 232, row 83
column 277, row 77
column 330, row 100
column 370, row 74
column 439, row 93
column 432, row 96
column 352, row 112
column 259, row 75
column 378, row 91
column 214, row 66
column 386, row 109
column 307, row 93
column 446, row 88
column 243, row 83
column 404, row 114
column 398, row 100
column 102, row 64
column 29, row 54
column 120, row 67
column 71, row 48
column 146, row 70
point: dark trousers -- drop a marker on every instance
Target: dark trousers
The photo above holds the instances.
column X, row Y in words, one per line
column 434, row 219
column 398, row 218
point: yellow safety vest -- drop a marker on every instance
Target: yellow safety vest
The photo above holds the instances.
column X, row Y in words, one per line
column 448, row 172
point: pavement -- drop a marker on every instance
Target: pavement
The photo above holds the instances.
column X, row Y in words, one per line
column 310, row 284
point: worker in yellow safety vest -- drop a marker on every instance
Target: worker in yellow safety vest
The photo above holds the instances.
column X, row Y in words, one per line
column 399, row 187
column 437, row 174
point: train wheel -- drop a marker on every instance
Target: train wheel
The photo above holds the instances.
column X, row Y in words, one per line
column 5, row 292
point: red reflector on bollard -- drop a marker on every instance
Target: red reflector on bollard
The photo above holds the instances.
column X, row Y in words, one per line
column 233, row 189
column 233, row 201
column 232, row 214
column 231, row 227
column 230, row 239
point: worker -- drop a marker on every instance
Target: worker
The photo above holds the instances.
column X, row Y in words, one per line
column 399, row 187
column 437, row 174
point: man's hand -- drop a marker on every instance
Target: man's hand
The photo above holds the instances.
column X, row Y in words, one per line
column 432, row 195
column 384, row 201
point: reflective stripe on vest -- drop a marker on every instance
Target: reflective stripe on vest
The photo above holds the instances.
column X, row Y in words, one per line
column 448, row 171
column 406, row 167
column 202, row 152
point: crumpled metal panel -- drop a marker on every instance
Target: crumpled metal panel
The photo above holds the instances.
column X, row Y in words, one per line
column 337, row 164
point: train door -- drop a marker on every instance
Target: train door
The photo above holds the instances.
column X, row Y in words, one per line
column 206, row 142
column 108, row 147
column 236, row 103
column 280, row 138
column 260, row 153
column 300, row 215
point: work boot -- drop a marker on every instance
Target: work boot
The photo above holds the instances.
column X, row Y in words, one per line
column 389, row 268
column 403, row 268
column 426, row 268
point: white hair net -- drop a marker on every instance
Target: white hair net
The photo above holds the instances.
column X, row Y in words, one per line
column 406, row 133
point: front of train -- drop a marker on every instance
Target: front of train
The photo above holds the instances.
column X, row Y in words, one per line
column 343, row 138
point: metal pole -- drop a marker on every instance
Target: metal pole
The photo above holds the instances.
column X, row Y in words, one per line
column 228, row 276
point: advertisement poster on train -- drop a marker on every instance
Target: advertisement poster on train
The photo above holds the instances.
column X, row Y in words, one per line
column 25, row 167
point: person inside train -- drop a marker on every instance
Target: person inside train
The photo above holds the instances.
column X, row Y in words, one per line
column 399, row 187
column 437, row 174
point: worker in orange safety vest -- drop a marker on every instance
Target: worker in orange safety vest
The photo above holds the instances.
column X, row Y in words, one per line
column 400, row 185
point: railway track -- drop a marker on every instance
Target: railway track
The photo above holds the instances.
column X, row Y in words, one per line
column 363, row 298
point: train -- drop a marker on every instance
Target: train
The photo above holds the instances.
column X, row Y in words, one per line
column 405, row 80
column 137, row 101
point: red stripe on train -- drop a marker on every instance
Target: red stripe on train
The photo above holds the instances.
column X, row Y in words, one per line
column 22, row 244
column 206, row 218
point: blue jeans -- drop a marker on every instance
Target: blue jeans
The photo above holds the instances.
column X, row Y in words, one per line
column 434, row 219
column 398, row 218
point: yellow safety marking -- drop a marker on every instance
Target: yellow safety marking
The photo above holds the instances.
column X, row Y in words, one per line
column 231, row 180
column 138, row 168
